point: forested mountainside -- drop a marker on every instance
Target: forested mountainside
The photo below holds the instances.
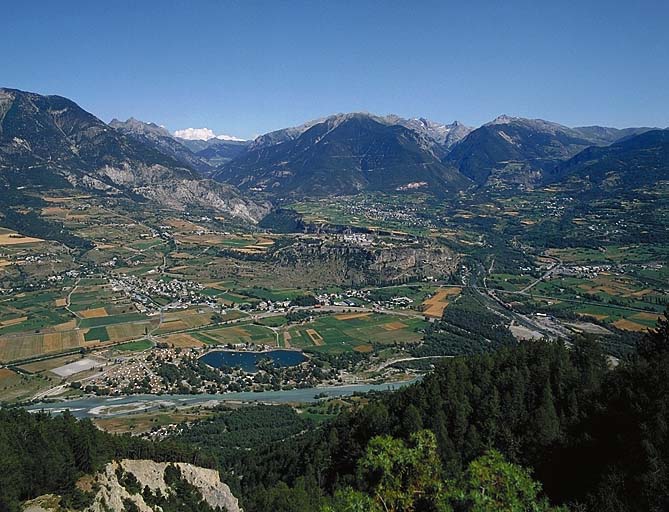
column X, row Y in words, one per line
column 637, row 161
column 594, row 437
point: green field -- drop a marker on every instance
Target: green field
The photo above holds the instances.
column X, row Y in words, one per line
column 241, row 333
column 97, row 333
column 337, row 334
column 111, row 320
column 134, row 346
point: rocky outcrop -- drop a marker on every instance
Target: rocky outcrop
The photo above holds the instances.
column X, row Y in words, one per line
column 356, row 264
column 113, row 493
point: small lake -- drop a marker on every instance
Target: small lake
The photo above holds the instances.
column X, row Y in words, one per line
column 248, row 361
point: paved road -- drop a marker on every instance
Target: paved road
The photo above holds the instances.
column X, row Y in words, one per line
column 391, row 362
column 551, row 270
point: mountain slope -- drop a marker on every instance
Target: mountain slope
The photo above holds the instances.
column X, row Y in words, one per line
column 445, row 135
column 283, row 135
column 344, row 154
column 514, row 150
column 634, row 162
column 50, row 142
column 162, row 140
column 603, row 135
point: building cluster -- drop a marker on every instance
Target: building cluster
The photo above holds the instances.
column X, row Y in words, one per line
column 584, row 271
column 175, row 370
column 377, row 210
column 355, row 297
column 144, row 292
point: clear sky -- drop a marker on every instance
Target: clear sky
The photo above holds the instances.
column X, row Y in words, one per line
column 245, row 67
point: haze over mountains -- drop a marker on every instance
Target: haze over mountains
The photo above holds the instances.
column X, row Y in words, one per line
column 49, row 141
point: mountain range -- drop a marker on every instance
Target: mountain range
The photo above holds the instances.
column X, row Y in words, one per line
column 49, row 141
column 632, row 162
column 344, row 154
column 520, row 151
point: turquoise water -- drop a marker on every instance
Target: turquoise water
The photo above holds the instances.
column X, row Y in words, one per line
column 248, row 361
column 116, row 406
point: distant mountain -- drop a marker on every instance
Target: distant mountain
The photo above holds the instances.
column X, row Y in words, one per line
column 603, row 136
column 515, row 150
column 161, row 139
column 637, row 161
column 343, row 154
column 282, row 135
column 214, row 151
column 50, row 142
column 445, row 135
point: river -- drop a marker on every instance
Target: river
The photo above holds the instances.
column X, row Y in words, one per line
column 96, row 407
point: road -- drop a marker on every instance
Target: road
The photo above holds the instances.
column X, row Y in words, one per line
column 490, row 300
column 68, row 301
column 390, row 362
column 557, row 265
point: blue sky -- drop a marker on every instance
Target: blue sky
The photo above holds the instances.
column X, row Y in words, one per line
column 246, row 67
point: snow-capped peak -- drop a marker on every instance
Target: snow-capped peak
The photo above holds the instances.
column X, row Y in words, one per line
column 203, row 134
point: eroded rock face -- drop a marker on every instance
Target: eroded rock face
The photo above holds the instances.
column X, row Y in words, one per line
column 112, row 495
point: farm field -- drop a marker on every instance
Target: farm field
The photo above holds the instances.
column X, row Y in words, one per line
column 8, row 237
column 31, row 311
column 187, row 319
column 49, row 364
column 354, row 331
column 240, row 333
column 435, row 305
column 134, row 346
column 620, row 300
column 23, row 346
column 182, row 340
column 416, row 292
column 508, row 282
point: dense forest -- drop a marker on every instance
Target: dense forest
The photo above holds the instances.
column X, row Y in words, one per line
column 595, row 437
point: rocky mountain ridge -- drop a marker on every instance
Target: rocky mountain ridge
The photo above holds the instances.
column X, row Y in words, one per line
column 162, row 140
column 519, row 151
column 49, row 141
